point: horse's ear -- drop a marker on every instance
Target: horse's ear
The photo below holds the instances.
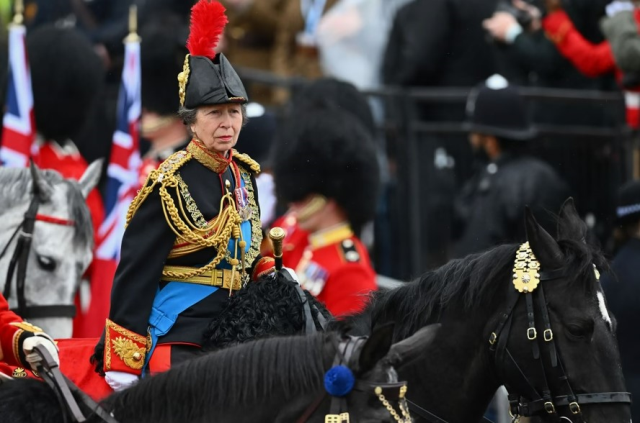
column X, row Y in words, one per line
column 376, row 347
column 90, row 177
column 407, row 350
column 570, row 226
column 42, row 188
column 544, row 247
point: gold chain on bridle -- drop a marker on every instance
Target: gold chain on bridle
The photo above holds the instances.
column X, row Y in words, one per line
column 402, row 404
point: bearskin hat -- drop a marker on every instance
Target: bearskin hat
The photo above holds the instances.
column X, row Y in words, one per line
column 207, row 77
column 162, row 54
column 67, row 76
column 328, row 152
column 330, row 93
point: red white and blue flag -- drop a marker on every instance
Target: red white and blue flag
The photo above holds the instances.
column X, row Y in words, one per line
column 18, row 131
column 124, row 164
column 122, row 185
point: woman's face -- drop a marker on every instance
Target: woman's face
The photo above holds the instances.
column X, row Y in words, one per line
column 218, row 126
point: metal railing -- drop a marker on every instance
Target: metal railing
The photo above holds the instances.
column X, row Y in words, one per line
column 411, row 130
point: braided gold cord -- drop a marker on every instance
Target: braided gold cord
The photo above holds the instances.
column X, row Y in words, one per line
column 406, row 418
column 227, row 219
column 141, row 196
column 223, row 227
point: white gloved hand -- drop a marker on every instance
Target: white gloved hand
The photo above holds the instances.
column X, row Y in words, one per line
column 120, row 380
column 617, row 6
column 33, row 358
column 292, row 273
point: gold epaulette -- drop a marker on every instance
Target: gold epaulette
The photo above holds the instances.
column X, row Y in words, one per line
column 163, row 175
column 244, row 158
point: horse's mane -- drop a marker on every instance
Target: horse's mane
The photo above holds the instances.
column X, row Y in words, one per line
column 245, row 374
column 15, row 187
column 471, row 282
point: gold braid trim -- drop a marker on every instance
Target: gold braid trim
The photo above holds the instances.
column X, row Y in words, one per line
column 214, row 234
column 256, row 226
column 244, row 158
column 225, row 225
column 16, row 345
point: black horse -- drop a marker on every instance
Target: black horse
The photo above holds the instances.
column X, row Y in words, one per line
column 549, row 347
column 271, row 380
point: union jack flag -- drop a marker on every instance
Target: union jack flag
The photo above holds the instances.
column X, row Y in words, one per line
column 124, row 163
column 18, row 122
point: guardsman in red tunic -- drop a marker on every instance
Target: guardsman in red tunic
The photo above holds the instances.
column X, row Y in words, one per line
column 326, row 170
column 64, row 92
column 17, row 339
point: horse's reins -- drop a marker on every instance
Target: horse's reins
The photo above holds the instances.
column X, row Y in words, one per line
column 20, row 259
column 338, row 407
column 63, row 388
column 527, row 275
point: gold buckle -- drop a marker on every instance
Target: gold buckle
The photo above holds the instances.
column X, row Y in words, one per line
column 548, row 335
column 217, row 277
column 532, row 334
column 493, row 338
column 549, row 407
column 574, row 407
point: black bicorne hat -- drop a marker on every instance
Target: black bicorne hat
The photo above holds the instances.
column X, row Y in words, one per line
column 496, row 108
column 207, row 78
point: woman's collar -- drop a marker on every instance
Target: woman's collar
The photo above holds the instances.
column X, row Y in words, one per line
column 213, row 161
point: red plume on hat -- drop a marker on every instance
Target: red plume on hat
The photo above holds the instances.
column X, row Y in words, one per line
column 207, row 23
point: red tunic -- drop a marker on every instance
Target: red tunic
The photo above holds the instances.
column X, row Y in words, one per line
column 8, row 333
column 74, row 363
column 333, row 265
column 592, row 60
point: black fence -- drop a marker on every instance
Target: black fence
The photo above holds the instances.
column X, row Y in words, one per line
column 429, row 158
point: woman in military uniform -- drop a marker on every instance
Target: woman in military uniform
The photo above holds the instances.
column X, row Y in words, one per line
column 193, row 231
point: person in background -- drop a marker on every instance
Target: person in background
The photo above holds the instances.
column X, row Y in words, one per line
column 490, row 207
column 330, row 93
column 622, row 286
column 161, row 58
column 249, row 38
column 17, row 340
column 295, row 51
column 67, row 77
column 326, row 171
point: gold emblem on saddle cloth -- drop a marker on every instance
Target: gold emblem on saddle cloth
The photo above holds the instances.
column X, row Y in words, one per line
column 526, row 268
column 337, row 418
column 19, row 372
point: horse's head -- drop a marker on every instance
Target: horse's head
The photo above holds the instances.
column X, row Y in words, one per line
column 558, row 351
column 374, row 363
column 60, row 248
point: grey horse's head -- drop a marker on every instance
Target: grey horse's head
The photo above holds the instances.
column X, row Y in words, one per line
column 62, row 244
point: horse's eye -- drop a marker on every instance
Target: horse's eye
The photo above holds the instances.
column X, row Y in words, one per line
column 579, row 331
column 46, row 263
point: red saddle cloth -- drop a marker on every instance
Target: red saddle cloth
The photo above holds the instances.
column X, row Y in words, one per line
column 75, row 365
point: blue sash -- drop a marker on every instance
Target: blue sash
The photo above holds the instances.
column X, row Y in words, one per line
column 176, row 297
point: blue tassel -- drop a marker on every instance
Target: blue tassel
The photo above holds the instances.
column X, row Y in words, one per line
column 339, row 381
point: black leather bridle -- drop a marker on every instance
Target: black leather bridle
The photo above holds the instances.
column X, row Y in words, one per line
column 64, row 389
column 524, row 399
column 338, row 412
column 20, row 259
